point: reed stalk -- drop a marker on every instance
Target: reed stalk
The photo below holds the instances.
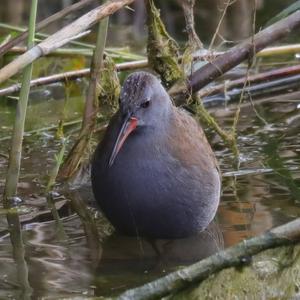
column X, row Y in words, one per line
column 91, row 108
column 14, row 163
column 12, row 176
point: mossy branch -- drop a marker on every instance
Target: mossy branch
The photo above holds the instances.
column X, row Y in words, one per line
column 162, row 49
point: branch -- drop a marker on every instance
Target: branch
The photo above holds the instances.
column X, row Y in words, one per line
column 62, row 37
column 232, row 256
column 235, row 56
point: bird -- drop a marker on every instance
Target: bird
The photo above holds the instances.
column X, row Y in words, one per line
column 154, row 173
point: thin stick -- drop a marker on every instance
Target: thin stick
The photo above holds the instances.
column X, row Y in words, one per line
column 212, row 42
column 57, row 16
column 62, row 37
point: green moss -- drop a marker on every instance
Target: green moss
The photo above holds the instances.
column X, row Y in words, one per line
column 162, row 49
column 108, row 89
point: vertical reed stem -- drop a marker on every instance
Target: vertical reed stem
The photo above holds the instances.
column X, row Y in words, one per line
column 14, row 163
column 76, row 154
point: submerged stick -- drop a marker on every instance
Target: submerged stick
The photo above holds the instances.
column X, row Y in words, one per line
column 63, row 36
column 233, row 256
column 57, row 16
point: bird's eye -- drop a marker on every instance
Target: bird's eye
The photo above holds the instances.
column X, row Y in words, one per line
column 145, row 104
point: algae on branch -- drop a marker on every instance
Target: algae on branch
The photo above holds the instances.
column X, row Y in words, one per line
column 163, row 51
column 108, row 89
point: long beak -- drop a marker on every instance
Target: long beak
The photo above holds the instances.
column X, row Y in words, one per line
column 129, row 124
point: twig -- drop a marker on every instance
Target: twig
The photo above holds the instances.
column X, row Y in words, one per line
column 227, row 4
column 61, row 37
column 233, row 256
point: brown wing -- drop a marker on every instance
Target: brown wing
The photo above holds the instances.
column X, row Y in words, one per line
column 192, row 147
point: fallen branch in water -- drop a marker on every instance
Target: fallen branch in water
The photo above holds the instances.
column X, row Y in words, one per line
column 234, row 56
column 63, row 36
column 233, row 256
column 46, row 22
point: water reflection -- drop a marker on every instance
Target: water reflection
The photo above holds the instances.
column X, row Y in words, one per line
column 66, row 268
column 128, row 261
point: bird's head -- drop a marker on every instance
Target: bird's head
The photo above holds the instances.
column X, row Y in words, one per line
column 144, row 103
